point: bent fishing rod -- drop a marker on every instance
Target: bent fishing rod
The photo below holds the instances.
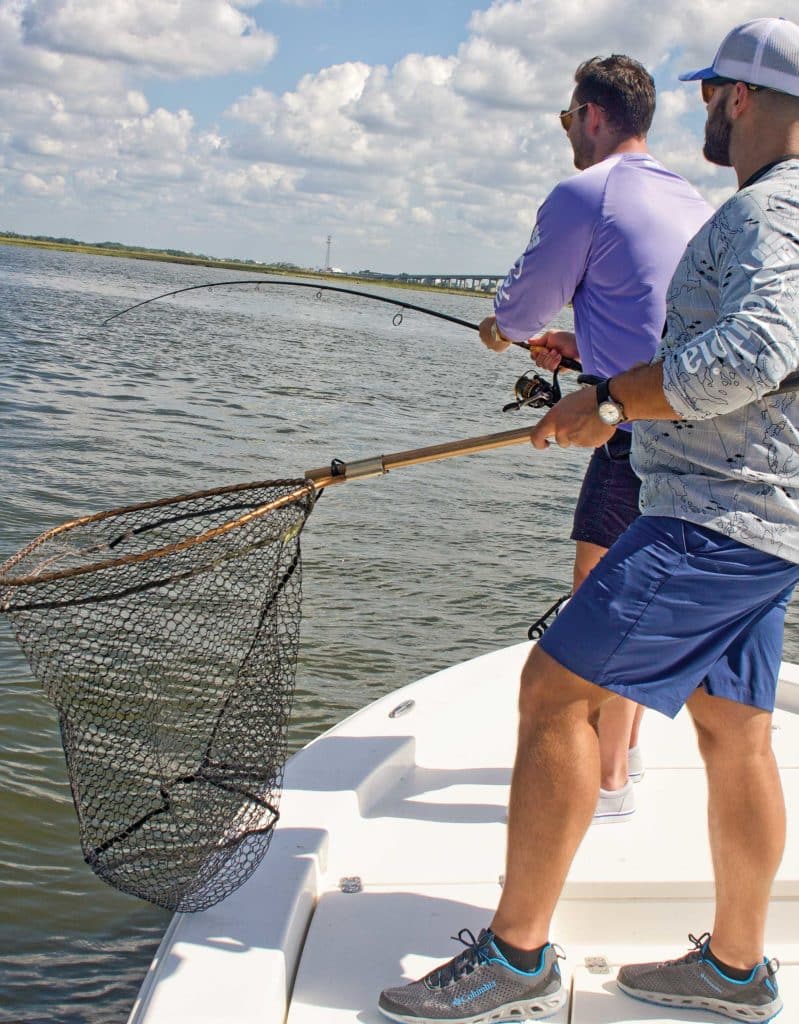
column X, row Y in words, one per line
column 569, row 364
column 530, row 389
column 304, row 284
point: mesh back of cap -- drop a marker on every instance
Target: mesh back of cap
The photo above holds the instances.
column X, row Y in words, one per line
column 764, row 51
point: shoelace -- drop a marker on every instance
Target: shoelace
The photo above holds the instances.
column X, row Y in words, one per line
column 696, row 953
column 476, row 953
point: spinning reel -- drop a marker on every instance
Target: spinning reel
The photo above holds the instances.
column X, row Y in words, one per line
column 531, row 388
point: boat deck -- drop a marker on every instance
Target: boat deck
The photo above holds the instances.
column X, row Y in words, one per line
column 410, row 811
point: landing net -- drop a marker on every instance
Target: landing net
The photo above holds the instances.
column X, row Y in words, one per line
column 166, row 635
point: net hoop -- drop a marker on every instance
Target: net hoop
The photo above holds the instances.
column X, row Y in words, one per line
column 302, row 490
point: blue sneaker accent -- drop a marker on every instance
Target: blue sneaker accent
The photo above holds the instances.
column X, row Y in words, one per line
column 479, row 985
column 695, row 982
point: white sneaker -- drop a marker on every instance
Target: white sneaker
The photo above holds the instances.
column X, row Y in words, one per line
column 635, row 764
column 615, row 805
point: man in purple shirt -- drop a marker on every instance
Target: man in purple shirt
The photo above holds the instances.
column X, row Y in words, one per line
column 607, row 240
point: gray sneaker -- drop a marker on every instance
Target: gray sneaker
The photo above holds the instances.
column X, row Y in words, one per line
column 694, row 982
column 479, row 986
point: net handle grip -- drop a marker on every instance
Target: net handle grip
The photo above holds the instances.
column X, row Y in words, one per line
column 341, row 472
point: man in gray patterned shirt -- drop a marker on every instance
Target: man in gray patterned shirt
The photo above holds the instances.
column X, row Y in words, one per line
column 695, row 590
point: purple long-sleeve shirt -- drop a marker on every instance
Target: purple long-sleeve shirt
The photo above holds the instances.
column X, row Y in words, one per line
column 608, row 240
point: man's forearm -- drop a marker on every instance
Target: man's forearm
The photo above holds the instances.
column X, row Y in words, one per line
column 640, row 391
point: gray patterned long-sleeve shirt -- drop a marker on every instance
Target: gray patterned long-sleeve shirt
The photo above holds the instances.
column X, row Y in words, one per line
column 732, row 335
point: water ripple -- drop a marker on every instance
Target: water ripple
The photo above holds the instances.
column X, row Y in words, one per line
column 403, row 575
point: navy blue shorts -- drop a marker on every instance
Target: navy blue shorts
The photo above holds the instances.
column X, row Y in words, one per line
column 608, row 500
column 674, row 606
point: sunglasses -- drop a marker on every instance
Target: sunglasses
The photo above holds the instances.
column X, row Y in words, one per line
column 709, row 86
column 566, row 116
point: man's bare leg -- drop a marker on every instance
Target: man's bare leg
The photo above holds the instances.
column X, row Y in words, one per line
column 586, row 556
column 746, row 821
column 614, row 729
column 620, row 718
column 553, row 796
column 636, row 727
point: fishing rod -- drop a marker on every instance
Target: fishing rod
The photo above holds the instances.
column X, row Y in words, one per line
column 529, row 390
column 569, row 364
column 304, row 284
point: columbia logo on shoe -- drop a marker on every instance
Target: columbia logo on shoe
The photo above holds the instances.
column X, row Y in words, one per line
column 478, row 986
column 469, row 996
column 707, row 978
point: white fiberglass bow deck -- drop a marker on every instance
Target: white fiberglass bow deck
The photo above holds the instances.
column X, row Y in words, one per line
column 392, row 839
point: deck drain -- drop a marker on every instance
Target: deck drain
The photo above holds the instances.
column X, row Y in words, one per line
column 597, row 965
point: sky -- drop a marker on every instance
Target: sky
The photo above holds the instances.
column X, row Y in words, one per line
column 420, row 136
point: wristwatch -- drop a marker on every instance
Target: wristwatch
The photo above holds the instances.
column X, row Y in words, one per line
column 610, row 411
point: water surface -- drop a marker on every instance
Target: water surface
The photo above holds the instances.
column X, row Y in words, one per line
column 403, row 575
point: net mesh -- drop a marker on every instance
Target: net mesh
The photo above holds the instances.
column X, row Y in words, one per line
column 166, row 637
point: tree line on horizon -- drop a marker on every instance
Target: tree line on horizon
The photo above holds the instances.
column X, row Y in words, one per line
column 120, row 247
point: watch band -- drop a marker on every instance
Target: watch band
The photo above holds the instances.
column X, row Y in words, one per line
column 603, row 395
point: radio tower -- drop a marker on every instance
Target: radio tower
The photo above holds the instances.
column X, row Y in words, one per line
column 327, row 254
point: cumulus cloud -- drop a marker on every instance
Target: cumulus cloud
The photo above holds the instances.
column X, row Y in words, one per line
column 497, row 74
column 166, row 37
column 431, row 163
column 300, row 126
column 550, row 35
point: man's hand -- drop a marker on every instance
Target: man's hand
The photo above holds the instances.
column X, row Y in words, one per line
column 549, row 348
column 490, row 337
column 573, row 421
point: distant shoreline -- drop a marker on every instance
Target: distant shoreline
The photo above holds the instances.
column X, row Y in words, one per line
column 239, row 266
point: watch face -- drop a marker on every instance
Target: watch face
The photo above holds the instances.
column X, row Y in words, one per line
column 609, row 413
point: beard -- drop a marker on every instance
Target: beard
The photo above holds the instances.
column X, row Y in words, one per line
column 584, row 150
column 717, row 138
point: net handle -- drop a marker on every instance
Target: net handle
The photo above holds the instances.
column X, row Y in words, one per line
column 340, row 472
column 317, row 479
column 337, row 472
